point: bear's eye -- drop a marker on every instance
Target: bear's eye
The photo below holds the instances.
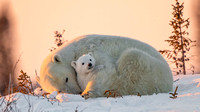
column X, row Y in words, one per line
column 90, row 59
column 56, row 59
column 66, row 80
column 83, row 63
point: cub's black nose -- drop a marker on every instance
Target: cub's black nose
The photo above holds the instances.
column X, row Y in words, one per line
column 90, row 64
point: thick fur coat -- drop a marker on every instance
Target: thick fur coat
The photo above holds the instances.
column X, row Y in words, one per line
column 86, row 69
column 130, row 67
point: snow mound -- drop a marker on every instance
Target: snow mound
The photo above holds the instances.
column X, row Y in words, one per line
column 188, row 100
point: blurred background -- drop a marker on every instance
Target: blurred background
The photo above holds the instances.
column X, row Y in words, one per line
column 27, row 27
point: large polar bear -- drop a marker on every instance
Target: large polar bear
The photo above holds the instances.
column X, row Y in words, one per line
column 130, row 67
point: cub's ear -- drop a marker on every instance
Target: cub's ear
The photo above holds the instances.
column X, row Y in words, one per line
column 91, row 54
column 73, row 64
column 57, row 58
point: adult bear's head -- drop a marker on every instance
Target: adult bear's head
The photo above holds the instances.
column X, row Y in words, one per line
column 56, row 73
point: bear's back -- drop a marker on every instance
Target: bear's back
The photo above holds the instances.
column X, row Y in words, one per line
column 107, row 43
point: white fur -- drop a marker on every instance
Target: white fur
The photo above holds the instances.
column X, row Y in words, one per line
column 85, row 68
column 131, row 67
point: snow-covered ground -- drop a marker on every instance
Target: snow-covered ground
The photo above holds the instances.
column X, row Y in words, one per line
column 188, row 100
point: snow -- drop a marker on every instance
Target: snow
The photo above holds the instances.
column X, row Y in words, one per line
column 188, row 100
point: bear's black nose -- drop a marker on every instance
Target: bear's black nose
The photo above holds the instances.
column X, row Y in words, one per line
column 90, row 64
column 66, row 80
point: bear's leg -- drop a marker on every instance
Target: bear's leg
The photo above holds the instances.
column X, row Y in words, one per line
column 143, row 73
column 99, row 83
column 132, row 62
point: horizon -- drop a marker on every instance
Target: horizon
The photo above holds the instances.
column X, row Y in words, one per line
column 34, row 23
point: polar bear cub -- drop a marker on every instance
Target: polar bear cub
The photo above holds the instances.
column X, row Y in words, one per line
column 85, row 68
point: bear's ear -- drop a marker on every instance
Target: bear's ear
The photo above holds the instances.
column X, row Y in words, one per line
column 57, row 58
column 90, row 53
column 73, row 64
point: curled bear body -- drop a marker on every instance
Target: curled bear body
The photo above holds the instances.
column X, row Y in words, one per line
column 130, row 67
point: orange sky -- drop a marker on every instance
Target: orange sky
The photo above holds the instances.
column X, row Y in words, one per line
column 36, row 20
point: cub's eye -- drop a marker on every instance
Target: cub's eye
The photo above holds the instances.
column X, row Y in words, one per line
column 90, row 59
column 83, row 63
column 66, row 80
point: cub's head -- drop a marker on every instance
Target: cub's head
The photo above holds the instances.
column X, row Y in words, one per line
column 84, row 64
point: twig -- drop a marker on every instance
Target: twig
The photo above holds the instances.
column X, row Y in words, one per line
column 139, row 94
column 112, row 93
column 174, row 94
column 176, row 80
column 76, row 109
column 28, row 100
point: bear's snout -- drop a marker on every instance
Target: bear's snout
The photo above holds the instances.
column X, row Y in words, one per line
column 90, row 65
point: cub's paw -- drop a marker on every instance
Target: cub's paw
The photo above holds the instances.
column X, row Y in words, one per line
column 101, row 67
column 87, row 95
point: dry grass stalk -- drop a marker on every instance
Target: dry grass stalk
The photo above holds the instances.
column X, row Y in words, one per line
column 174, row 95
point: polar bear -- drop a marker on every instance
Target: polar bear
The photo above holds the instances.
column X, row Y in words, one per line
column 131, row 67
column 85, row 68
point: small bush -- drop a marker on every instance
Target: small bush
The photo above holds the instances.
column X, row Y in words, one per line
column 24, row 84
column 59, row 40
